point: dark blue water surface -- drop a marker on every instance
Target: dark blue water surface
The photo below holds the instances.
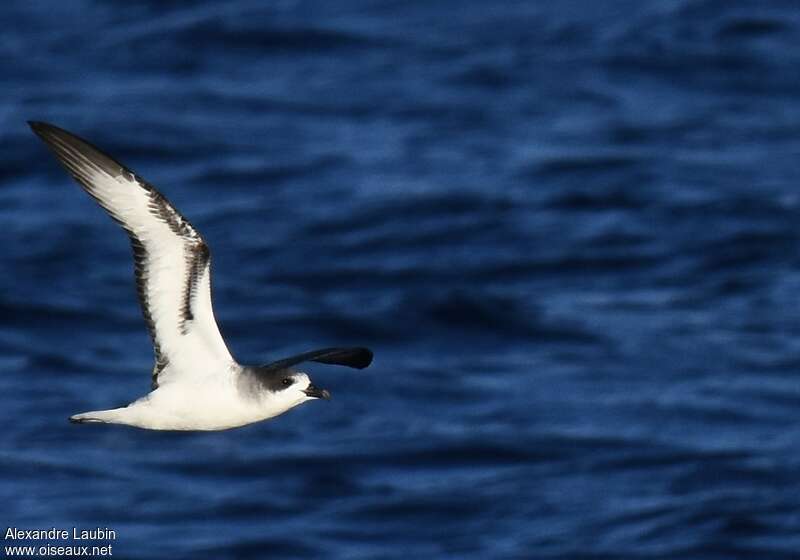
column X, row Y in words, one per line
column 569, row 230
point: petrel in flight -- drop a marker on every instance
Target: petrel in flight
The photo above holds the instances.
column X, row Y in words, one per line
column 196, row 383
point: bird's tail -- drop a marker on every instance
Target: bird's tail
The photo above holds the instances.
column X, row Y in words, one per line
column 113, row 416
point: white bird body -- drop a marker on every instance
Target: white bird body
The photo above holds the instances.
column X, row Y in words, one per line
column 212, row 403
column 196, row 383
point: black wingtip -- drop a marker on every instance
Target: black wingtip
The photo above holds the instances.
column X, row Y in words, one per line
column 75, row 152
column 45, row 130
column 357, row 358
column 38, row 126
column 362, row 357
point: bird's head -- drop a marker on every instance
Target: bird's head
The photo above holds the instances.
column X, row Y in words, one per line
column 297, row 385
column 278, row 390
column 277, row 386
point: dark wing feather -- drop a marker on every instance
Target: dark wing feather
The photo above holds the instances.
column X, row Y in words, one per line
column 358, row 358
column 171, row 261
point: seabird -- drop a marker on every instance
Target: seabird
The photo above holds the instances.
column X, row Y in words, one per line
column 196, row 383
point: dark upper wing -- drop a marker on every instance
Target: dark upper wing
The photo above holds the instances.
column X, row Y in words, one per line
column 358, row 358
column 171, row 260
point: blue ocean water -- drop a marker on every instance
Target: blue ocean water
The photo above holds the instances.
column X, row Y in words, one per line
column 568, row 230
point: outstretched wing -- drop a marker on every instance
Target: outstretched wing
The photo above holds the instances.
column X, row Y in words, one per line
column 358, row 358
column 171, row 260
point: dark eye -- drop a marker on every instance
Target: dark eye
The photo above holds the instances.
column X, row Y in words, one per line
column 287, row 381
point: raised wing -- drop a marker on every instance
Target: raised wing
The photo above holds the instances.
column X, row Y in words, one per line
column 358, row 358
column 171, row 261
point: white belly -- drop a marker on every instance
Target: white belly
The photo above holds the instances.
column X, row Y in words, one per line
column 175, row 407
